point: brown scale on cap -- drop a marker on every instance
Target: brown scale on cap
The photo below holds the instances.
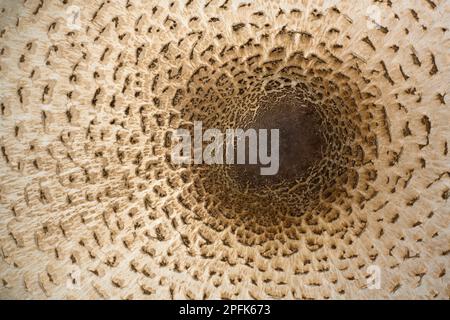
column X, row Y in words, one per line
column 91, row 205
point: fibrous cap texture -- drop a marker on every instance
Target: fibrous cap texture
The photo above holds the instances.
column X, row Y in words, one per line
column 92, row 207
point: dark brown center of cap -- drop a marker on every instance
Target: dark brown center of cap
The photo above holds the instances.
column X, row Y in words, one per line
column 301, row 144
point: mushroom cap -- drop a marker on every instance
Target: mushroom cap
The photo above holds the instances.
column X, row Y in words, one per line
column 92, row 207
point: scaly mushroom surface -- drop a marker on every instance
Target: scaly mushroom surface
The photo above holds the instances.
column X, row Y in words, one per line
column 92, row 207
